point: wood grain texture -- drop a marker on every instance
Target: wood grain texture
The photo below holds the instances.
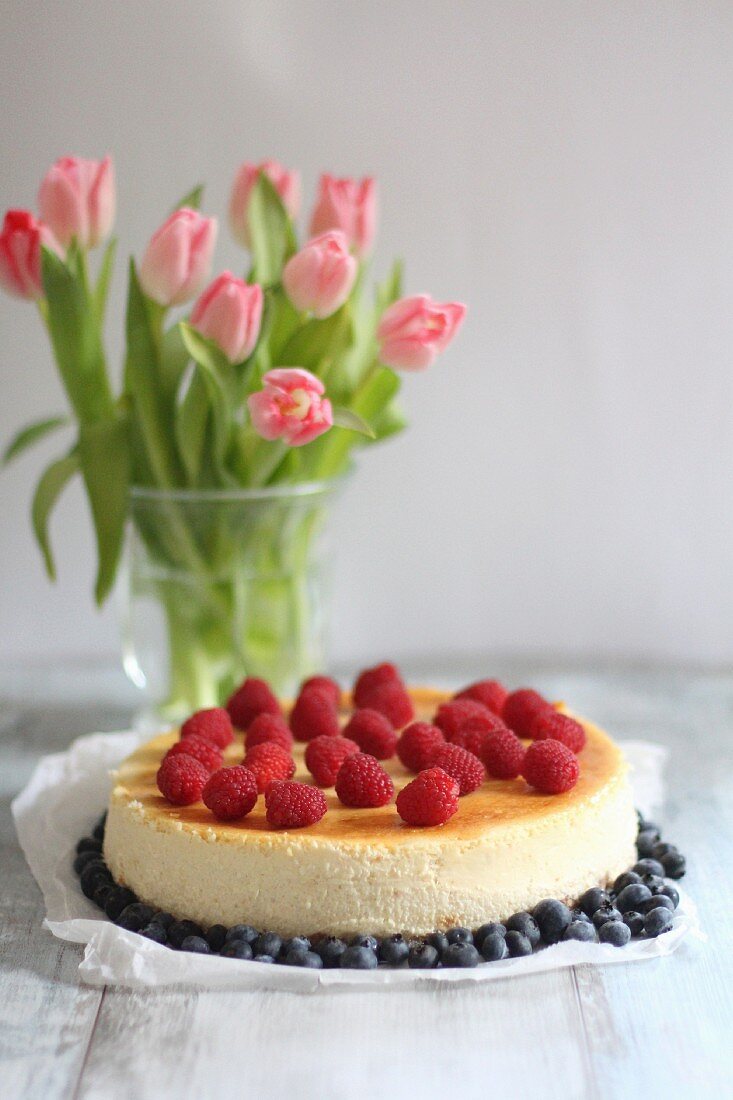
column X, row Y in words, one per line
column 658, row 1028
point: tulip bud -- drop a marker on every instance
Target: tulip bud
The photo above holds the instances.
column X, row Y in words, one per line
column 291, row 406
column 177, row 260
column 20, row 253
column 414, row 330
column 77, row 200
column 286, row 183
column 229, row 312
column 319, row 278
column 348, row 205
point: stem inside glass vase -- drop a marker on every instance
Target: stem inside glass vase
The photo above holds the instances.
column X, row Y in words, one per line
column 223, row 585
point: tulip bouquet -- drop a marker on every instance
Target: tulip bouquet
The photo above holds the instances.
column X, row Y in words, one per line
column 261, row 391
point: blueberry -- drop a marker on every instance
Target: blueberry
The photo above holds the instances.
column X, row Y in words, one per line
column 135, row 916
column 490, row 929
column 603, row 916
column 645, row 842
column 309, row 960
column 663, row 849
column 648, row 867
column 650, row 827
column 358, row 958
column 517, row 945
column 180, row 930
column 94, row 874
column 330, row 948
column 526, row 924
column 669, row 891
column 155, row 932
column 552, row 917
column 674, row 864
column 580, row 930
column 653, row 883
column 624, row 880
column 394, row 950
column 216, row 937
column 459, row 935
column 422, row 956
column 103, row 893
column 493, row 947
column 658, row 901
column 657, row 921
column 259, row 958
column 88, row 844
column 438, row 940
column 632, row 896
column 98, row 832
column 364, row 941
column 269, row 943
column 635, row 922
column 196, row 944
column 299, row 943
column 162, row 918
column 242, row 932
column 84, row 859
column 592, row 900
column 579, row 917
column 118, row 900
column 236, row 949
column 614, row 932
column 460, row 954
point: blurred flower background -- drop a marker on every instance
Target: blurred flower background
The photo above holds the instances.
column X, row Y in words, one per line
column 566, row 170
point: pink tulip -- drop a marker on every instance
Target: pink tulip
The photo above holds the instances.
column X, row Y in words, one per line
column 177, row 260
column 290, row 407
column 77, row 200
column 286, row 183
column 348, row 205
column 319, row 278
column 229, row 312
column 414, row 330
column 20, row 253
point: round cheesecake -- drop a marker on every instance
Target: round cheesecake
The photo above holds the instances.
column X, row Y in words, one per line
column 365, row 870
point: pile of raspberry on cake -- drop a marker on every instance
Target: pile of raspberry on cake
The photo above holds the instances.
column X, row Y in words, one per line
column 480, row 734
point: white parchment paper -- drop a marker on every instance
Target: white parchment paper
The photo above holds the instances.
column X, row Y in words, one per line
column 68, row 791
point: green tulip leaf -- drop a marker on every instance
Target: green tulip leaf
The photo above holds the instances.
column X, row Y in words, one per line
column 192, row 199
column 272, row 239
column 192, row 413
column 316, row 341
column 32, row 433
column 101, row 291
column 346, row 418
column 104, row 454
column 50, row 487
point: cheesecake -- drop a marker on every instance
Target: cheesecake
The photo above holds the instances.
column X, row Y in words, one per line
column 365, row 870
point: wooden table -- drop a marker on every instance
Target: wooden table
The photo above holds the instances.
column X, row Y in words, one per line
column 659, row 1029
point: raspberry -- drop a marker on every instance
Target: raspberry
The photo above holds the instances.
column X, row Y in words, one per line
column 417, row 744
column 314, row 715
column 325, row 755
column 325, row 684
column 472, row 733
column 372, row 733
column 269, row 762
column 560, row 728
column 550, row 767
column 461, row 765
column 214, row 724
column 521, row 709
column 392, row 701
column 268, row 727
column 372, row 678
column 253, row 697
column 201, row 749
column 181, row 779
column 502, row 754
column 231, row 793
column 363, row 782
column 451, row 717
column 489, row 692
column 430, row 799
column 294, row 805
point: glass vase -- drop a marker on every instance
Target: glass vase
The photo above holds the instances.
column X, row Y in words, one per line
column 219, row 585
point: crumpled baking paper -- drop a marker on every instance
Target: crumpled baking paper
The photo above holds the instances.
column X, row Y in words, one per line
column 68, row 791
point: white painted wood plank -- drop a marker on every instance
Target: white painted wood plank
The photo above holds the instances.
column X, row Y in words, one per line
column 515, row 1039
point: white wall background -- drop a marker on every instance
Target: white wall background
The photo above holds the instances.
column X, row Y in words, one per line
column 564, row 167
